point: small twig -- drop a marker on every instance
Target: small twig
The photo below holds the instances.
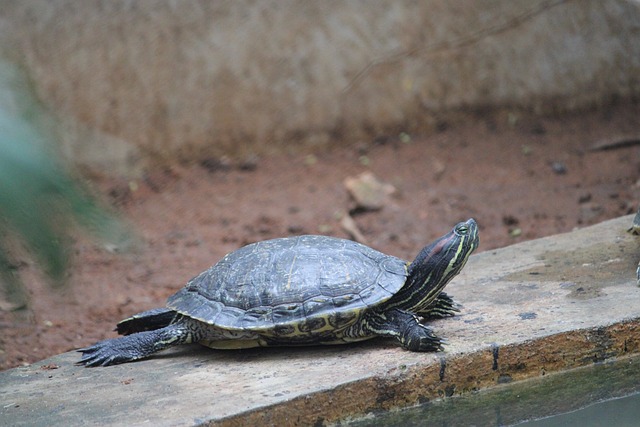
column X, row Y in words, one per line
column 615, row 142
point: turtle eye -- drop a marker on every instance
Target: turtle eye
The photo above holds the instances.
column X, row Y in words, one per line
column 462, row 229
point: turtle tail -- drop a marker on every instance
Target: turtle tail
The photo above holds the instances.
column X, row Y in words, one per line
column 150, row 320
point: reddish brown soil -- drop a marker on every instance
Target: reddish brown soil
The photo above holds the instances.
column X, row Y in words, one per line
column 536, row 175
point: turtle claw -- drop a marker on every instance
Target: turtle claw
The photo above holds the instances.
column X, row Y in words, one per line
column 101, row 354
column 439, row 344
column 431, row 344
column 118, row 350
column 444, row 306
column 423, row 339
column 133, row 347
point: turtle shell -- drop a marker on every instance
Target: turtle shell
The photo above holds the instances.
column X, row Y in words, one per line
column 291, row 285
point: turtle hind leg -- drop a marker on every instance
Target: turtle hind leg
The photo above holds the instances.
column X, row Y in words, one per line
column 405, row 327
column 136, row 346
column 443, row 306
column 149, row 320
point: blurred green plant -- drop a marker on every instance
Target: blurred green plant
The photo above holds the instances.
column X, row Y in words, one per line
column 39, row 200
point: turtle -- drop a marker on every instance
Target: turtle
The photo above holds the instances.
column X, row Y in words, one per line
column 302, row 290
column 635, row 229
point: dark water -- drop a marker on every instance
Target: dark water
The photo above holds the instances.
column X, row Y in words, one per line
column 605, row 394
column 622, row 412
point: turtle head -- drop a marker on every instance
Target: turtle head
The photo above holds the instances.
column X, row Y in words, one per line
column 436, row 265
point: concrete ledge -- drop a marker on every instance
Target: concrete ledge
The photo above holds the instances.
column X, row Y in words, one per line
column 529, row 309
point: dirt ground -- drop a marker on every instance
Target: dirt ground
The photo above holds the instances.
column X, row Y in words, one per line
column 520, row 176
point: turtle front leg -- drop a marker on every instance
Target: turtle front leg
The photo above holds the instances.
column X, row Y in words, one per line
column 443, row 306
column 406, row 328
column 135, row 346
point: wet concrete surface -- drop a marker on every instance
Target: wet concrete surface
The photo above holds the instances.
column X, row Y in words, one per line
column 529, row 309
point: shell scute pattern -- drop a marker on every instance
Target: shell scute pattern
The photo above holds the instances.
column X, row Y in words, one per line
column 304, row 283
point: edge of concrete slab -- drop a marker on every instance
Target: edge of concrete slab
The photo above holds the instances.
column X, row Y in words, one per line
column 533, row 308
column 451, row 376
